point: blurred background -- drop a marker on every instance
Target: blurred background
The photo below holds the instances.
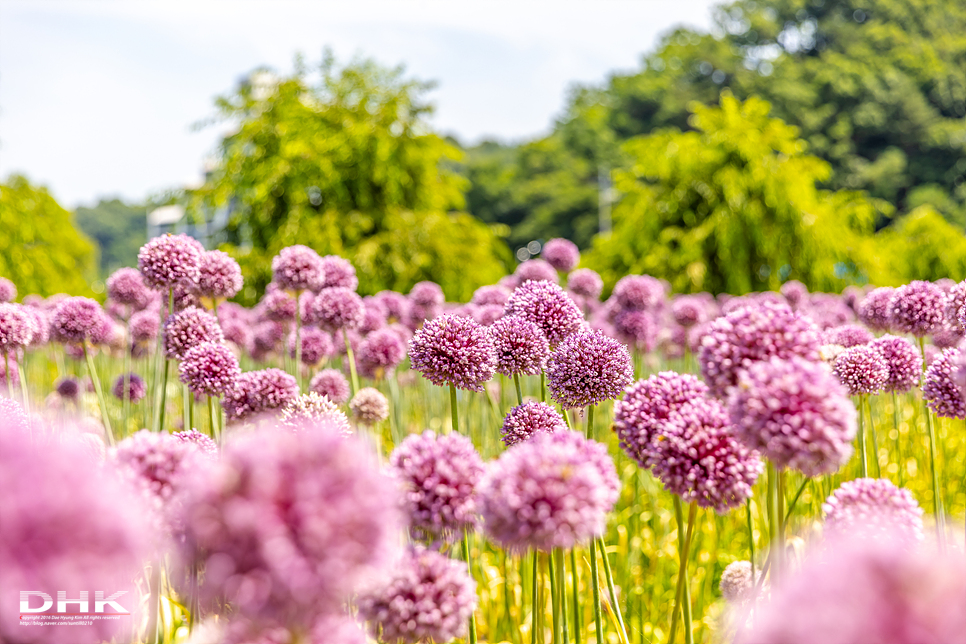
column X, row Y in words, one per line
column 722, row 147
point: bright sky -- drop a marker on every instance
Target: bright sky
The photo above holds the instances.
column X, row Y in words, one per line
column 97, row 98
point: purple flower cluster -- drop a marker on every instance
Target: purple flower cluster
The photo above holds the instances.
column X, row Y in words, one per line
column 917, row 308
column 638, row 293
column 903, row 360
column 169, row 261
column 552, row 491
column 562, row 254
column 189, row 328
column 339, row 273
column 313, row 411
column 208, row 447
column 76, row 319
column 278, row 305
column 636, row 328
column 940, row 390
column 258, row 392
column 528, row 419
column 492, row 294
column 736, row 583
column 795, row 293
column 16, row 327
column 795, row 413
column 548, row 306
column 521, row 347
column 688, row 310
column 453, row 350
column 862, row 369
column 136, row 389
column 144, row 326
column 298, row 268
column 380, row 353
column 316, row 345
column 585, row 283
column 537, row 270
column 588, row 368
column 331, row 384
column 875, row 507
column 847, row 335
column 337, row 308
column 126, row 286
column 439, row 477
column 425, row 302
column 68, row 388
column 219, row 276
column 209, row 369
column 369, row 406
column 8, row 292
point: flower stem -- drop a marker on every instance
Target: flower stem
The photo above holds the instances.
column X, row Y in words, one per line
column 516, row 382
column 595, row 585
column 895, row 421
column 213, row 429
column 21, row 374
column 555, row 595
column 7, row 374
column 863, row 457
column 936, row 503
column 534, row 594
column 469, row 566
column 875, row 440
column 298, row 339
column 575, row 581
column 543, row 386
column 611, row 589
column 452, row 408
column 590, row 421
column 558, row 561
column 775, row 521
column 682, row 571
column 751, row 540
column 100, row 394
column 352, row 362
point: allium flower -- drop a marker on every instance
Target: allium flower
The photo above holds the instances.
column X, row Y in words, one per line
column 64, row 524
column 298, row 268
column 917, row 308
column 856, row 592
column 528, row 419
column 331, row 384
column 562, row 254
column 640, row 417
column 8, row 292
column 828, row 310
column 494, row 294
column 339, row 272
column 874, row 309
column 903, row 360
column 374, row 316
column 203, row 442
column 286, row 524
column 75, row 319
column 189, row 328
column 40, row 326
column 552, row 491
column 638, row 292
column 439, row 477
column 316, row 345
column 700, row 460
column 136, row 389
column 338, row 308
column 209, row 369
column 428, row 598
column 796, row 293
column 397, row 305
column 369, row 406
column 955, row 299
column 862, row 369
column 379, row 353
column 587, row 368
column 68, row 388
column 425, row 303
column 737, row 584
column 144, row 326
column 688, row 310
column 453, row 350
column 536, row 270
column 521, row 347
column 219, row 275
column 873, row 506
column 488, row 314
column 941, row 392
column 266, row 338
column 239, row 333
column 257, row 392
column 278, row 306
column 948, row 336
column 636, row 328
column 549, row 307
column 795, row 413
column 585, row 282
column 314, row 411
column 126, row 286
column 16, row 327
column 170, row 260
column 751, row 334
column 847, row 335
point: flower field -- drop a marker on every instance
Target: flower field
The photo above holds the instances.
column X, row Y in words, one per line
column 537, row 465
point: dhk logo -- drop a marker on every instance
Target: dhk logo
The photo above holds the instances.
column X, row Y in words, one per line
column 82, row 603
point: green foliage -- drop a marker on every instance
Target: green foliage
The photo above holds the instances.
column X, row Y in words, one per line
column 40, row 249
column 921, row 246
column 332, row 165
column 118, row 228
column 732, row 207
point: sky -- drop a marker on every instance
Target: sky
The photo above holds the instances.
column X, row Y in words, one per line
column 98, row 98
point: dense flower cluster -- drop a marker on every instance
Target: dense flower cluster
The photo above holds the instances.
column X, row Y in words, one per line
column 737, row 583
column 8, row 291
column 847, row 335
column 169, row 261
column 380, row 353
column 588, row 368
column 491, row 294
column 313, row 411
column 75, row 319
column 537, row 270
column 528, row 419
column 339, row 272
column 521, row 347
column 585, row 282
column 331, row 384
column 208, row 447
column 126, row 286
column 189, row 328
column 638, row 292
column 944, row 396
column 369, row 406
column 548, row 306
column 453, row 350
column 257, row 392
column 917, row 308
column 16, row 327
column 562, row 254
column 316, row 345
column 337, row 307
column 903, row 360
column 136, row 389
column 862, row 369
column 688, row 310
column 209, row 369
column 144, row 326
column 219, row 276
column 873, row 506
column 298, row 268
column 636, row 328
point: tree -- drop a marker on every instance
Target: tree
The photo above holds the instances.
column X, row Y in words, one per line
column 118, row 228
column 40, row 249
column 343, row 165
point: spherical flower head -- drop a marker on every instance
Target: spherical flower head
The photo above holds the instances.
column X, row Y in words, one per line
column 170, row 260
column 493, row 294
column 207, row 447
column 220, row 275
column 313, row 411
column 453, row 350
column 955, row 299
column 40, row 325
column 278, row 306
column 126, row 286
column 688, row 311
column 136, row 389
column 259, row 392
column 144, row 326
column 428, row 598
column 521, row 347
column 737, row 583
column 374, row 316
column 636, row 328
column 857, row 591
column 75, row 319
column 548, row 306
column 68, row 388
column 337, row 308
column 331, row 384
column 380, row 353
column 528, row 419
column 795, row 413
column 209, row 369
column 751, row 334
column 488, row 314
column 439, row 477
column 16, row 327
column 862, row 369
column 828, row 310
column 8, row 292
column 874, row 309
column 189, row 328
column 266, row 338
column 339, row 272
column 641, row 415
column 66, row 524
column 286, row 524
column 796, row 293
column 316, row 345
column 638, row 292
column 552, row 491
column 904, row 362
column 369, row 406
column 948, row 336
column 562, row 254
column 847, row 335
column 427, row 294
column 917, row 308
column 587, row 368
column 298, row 268
column 397, row 305
column 873, row 507
column 537, row 270
column 585, row 283
column 940, row 390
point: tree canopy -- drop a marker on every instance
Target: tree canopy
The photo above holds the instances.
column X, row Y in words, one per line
column 119, row 229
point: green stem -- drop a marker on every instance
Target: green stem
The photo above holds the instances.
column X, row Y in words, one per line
column 611, row 589
column 507, row 614
column 352, row 362
column 543, row 386
column 21, row 374
column 875, row 440
column 682, row 571
column 555, row 594
column 562, row 590
column 534, row 594
column 751, row 539
column 936, row 503
column 100, row 394
column 7, row 374
column 791, row 506
column 126, row 399
column 590, row 421
column 575, row 580
column 864, row 459
column 516, row 382
column 895, row 420
column 469, row 566
column 213, row 429
column 298, row 339
column 452, row 408
column 595, row 585
column 186, row 399
column 777, row 541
